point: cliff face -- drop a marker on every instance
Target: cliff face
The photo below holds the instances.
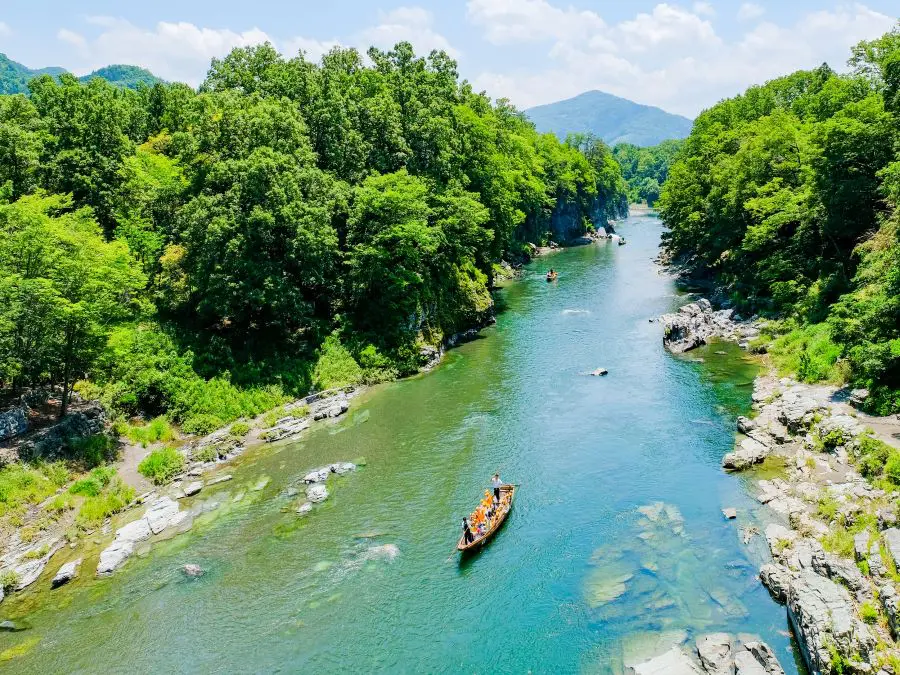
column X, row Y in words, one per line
column 567, row 221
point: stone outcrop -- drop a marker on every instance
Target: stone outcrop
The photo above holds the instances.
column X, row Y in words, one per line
column 89, row 420
column 695, row 324
column 13, row 423
column 673, row 662
column 717, row 654
column 748, row 453
column 66, row 573
column 161, row 513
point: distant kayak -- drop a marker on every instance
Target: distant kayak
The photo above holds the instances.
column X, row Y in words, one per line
column 551, row 276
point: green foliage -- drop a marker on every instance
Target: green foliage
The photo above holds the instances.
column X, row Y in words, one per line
column 828, row 507
column 239, row 430
column 92, row 451
column 157, row 430
column 94, row 483
column 208, row 453
column 22, row 485
column 839, row 540
column 336, row 366
column 868, row 612
column 645, row 170
column 787, row 197
column 115, row 497
column 160, row 466
column 8, row 580
column 36, row 553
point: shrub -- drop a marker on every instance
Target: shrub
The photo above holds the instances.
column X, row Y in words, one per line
column 56, row 472
column 839, row 540
column 868, row 612
column 810, row 353
column 93, row 484
column 828, row 507
column 157, row 430
column 36, row 553
column 20, row 484
column 60, row 503
column 8, row 580
column 207, row 453
column 336, row 366
column 115, row 498
column 892, row 467
column 873, row 455
column 162, row 465
column 239, row 430
column 95, row 450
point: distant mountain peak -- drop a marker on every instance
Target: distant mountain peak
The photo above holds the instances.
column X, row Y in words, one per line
column 612, row 118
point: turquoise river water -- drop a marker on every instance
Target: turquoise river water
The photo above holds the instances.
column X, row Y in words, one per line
column 616, row 544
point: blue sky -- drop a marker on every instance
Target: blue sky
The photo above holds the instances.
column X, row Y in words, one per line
column 682, row 56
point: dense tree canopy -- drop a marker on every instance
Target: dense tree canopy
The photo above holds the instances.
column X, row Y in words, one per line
column 646, row 169
column 788, row 197
column 285, row 211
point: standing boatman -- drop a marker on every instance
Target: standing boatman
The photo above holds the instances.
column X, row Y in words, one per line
column 496, row 482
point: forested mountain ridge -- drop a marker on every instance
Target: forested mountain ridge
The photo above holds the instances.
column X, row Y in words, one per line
column 611, row 118
column 645, row 170
column 14, row 77
column 206, row 254
column 787, row 197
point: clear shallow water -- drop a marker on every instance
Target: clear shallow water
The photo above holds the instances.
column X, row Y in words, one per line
column 578, row 579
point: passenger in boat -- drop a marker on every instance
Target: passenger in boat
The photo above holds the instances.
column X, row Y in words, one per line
column 467, row 533
column 496, row 482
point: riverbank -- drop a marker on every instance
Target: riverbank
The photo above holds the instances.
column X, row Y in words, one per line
column 832, row 535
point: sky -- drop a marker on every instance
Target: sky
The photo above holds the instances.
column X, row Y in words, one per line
column 682, row 56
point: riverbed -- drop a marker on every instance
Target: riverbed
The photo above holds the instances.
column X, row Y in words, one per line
column 616, row 543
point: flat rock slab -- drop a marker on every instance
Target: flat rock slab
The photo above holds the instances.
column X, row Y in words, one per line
column 193, row 488
column 730, row 513
column 66, row 573
column 673, row 662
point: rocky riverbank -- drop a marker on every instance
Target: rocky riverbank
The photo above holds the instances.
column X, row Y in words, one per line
column 713, row 654
column 833, row 535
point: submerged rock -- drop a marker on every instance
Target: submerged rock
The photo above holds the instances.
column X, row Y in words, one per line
column 161, row 513
column 673, row 662
column 66, row 573
column 192, row 570
column 304, row 508
column 317, row 492
column 193, row 488
column 114, row 556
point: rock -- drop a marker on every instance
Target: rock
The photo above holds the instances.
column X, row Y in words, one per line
column 261, row 483
column 52, row 441
column 861, row 546
column 289, row 426
column 599, row 372
column 794, row 411
column 843, row 571
column 779, row 537
column 776, row 579
column 28, row 570
column 746, row 664
column 193, row 488
column 749, row 452
column 715, row 654
column 729, row 513
column 341, row 468
column 161, row 513
column 304, row 508
column 220, row 479
column 673, row 662
column 192, row 570
column 886, row 518
column 317, row 475
column 114, row 556
column 890, row 600
column 823, row 617
column 745, row 425
column 858, row 397
column 891, row 537
column 66, row 573
column 13, row 423
column 765, row 657
column 317, row 492
column 8, row 626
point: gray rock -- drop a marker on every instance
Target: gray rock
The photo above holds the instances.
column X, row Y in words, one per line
column 745, row 425
column 66, row 573
column 715, row 654
column 192, row 570
column 729, row 513
column 599, row 372
column 673, row 662
column 746, row 664
column 861, row 546
column 891, row 537
column 317, row 492
column 317, row 475
column 887, row 518
column 13, row 423
column 114, row 556
column 220, row 479
column 341, row 468
column 28, row 570
column 161, row 513
column 749, row 452
column 890, row 600
column 261, row 483
column 289, row 426
column 776, row 578
column 765, row 657
column 193, row 488
column 823, row 618
column 304, row 508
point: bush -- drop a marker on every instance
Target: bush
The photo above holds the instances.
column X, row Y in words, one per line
column 868, row 612
column 336, row 366
column 160, row 466
column 93, row 484
column 207, row 453
column 810, row 353
column 8, row 580
column 115, row 498
column 892, row 467
column 95, row 450
column 158, row 430
column 56, row 472
column 20, row 484
column 239, row 430
column 873, row 456
column 840, row 541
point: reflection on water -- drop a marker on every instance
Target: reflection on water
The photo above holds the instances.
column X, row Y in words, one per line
column 615, row 547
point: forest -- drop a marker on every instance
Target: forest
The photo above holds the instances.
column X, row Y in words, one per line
column 206, row 254
column 786, row 197
column 645, row 170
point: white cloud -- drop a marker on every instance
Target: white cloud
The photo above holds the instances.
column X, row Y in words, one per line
column 177, row 51
column 680, row 74
column 511, row 21
column 313, row 50
column 412, row 24
column 5, row 29
column 704, row 9
column 750, row 10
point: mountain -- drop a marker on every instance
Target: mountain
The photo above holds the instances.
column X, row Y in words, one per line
column 14, row 76
column 614, row 119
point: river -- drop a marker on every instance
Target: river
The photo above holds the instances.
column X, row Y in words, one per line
column 578, row 580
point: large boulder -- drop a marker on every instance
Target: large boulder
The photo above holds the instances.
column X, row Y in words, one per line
column 715, row 654
column 824, row 619
column 891, row 538
column 66, row 573
column 161, row 513
column 764, row 656
column 317, row 492
column 114, row 556
column 776, row 578
column 749, row 452
column 57, row 440
column 673, row 662
column 13, row 423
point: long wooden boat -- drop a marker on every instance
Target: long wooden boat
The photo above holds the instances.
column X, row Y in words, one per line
column 478, row 542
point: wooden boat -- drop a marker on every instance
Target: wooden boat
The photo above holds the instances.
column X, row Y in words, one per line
column 478, row 542
column 551, row 276
column 622, row 241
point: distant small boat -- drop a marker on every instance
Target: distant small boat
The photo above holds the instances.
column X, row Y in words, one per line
column 551, row 276
column 622, row 241
column 478, row 542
